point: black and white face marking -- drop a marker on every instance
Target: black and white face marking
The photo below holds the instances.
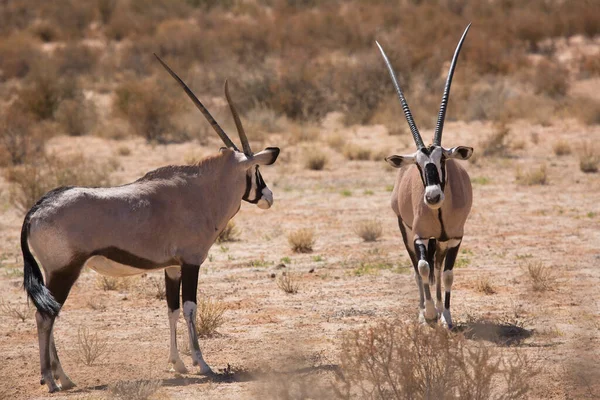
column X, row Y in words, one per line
column 257, row 191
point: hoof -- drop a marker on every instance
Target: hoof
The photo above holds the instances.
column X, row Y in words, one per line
column 53, row 389
column 205, row 370
column 179, row 366
column 42, row 381
column 67, row 385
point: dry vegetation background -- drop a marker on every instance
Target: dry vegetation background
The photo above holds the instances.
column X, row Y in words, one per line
column 299, row 299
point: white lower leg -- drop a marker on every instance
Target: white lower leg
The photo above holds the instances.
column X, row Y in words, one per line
column 58, row 372
column 189, row 313
column 174, row 358
column 44, row 326
column 446, row 316
column 430, row 312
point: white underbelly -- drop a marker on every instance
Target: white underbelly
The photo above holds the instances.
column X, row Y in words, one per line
column 104, row 266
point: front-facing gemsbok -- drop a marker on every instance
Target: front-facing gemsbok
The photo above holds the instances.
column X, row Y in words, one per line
column 432, row 198
column 168, row 219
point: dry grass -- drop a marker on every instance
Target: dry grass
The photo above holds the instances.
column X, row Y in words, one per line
column 157, row 288
column 533, row 176
column 497, row 143
column 589, row 158
column 134, row 390
column 356, row 152
column 19, row 141
column 561, row 148
column 395, row 360
column 302, row 240
column 20, row 311
column 209, row 317
column 541, row 277
column 483, row 285
column 108, row 283
column 369, row 230
column 90, row 348
column 288, row 282
column 229, row 234
column 315, row 160
column 124, row 151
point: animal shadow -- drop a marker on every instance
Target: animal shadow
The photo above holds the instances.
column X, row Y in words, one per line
column 506, row 334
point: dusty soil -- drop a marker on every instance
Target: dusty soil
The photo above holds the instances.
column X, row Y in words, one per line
column 510, row 227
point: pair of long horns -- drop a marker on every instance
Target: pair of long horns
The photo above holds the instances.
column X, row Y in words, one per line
column 211, row 120
column 437, row 137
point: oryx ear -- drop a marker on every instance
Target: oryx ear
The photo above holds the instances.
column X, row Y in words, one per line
column 400, row 161
column 459, row 153
column 266, row 157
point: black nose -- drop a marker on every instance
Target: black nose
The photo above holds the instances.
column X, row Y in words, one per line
column 433, row 200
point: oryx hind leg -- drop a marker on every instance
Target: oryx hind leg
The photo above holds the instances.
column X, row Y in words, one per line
column 172, row 288
column 453, row 247
column 59, row 283
column 189, row 286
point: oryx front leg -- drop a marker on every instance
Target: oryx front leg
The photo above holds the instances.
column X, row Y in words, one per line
column 425, row 249
column 448, row 277
column 172, row 287
column 189, row 275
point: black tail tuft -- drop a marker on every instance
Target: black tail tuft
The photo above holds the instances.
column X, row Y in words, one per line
column 33, row 280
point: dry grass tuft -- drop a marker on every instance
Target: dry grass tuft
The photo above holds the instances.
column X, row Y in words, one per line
column 108, row 283
column 395, row 360
column 369, row 230
column 356, row 152
column 561, row 148
column 315, row 160
column 15, row 310
column 535, row 176
column 541, row 276
column 134, row 390
column 158, row 289
column 288, row 282
column 229, row 234
column 589, row 159
column 484, row 286
column 209, row 316
column 497, row 143
column 90, row 348
column 302, row 240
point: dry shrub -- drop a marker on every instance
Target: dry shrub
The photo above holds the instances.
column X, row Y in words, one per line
column 533, row 176
column 90, row 348
column 315, row 160
column 395, row 360
column 302, row 240
column 355, row 152
column 18, row 138
column 288, row 282
column 484, row 286
column 229, row 234
column 77, row 116
column 107, row 283
column 209, row 316
column 541, row 276
column 369, row 230
column 76, row 59
column 19, row 55
column 336, row 142
column 29, row 182
column 106, row 9
column 72, row 16
column 550, row 79
column 134, row 390
column 20, row 311
column 497, row 143
column 589, row 158
column 584, row 109
column 158, row 289
column 561, row 148
column 124, row 151
column 303, row 133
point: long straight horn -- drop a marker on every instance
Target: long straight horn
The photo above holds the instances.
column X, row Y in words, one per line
column 200, row 106
column 238, row 123
column 411, row 122
column 437, row 137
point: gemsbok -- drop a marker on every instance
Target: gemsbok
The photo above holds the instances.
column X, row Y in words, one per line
column 168, row 219
column 432, row 198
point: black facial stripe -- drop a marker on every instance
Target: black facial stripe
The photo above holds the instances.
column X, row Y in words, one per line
column 432, row 176
column 248, row 187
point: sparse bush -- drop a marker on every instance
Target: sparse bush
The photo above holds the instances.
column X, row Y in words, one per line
column 315, row 160
column 551, row 79
column 541, row 276
column 107, row 283
column 302, row 240
column 534, row 176
column 395, row 360
column 589, row 158
column 484, row 286
column 18, row 138
column 20, row 311
column 106, row 9
column 19, row 55
column 90, row 348
column 77, row 116
column 288, row 282
column 134, row 390
column 561, row 148
column 497, row 143
column 159, row 291
column 356, row 152
column 209, row 316
column 369, row 230
column 124, row 151
column 76, row 59
column 336, row 142
column 229, row 234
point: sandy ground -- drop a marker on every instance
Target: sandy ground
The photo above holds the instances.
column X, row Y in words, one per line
column 510, row 227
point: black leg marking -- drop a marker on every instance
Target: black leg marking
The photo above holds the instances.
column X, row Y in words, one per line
column 451, row 257
column 431, row 247
column 172, row 287
column 189, row 282
column 447, row 301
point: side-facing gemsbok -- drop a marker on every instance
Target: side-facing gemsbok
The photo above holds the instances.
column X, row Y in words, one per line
column 168, row 219
column 432, row 198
